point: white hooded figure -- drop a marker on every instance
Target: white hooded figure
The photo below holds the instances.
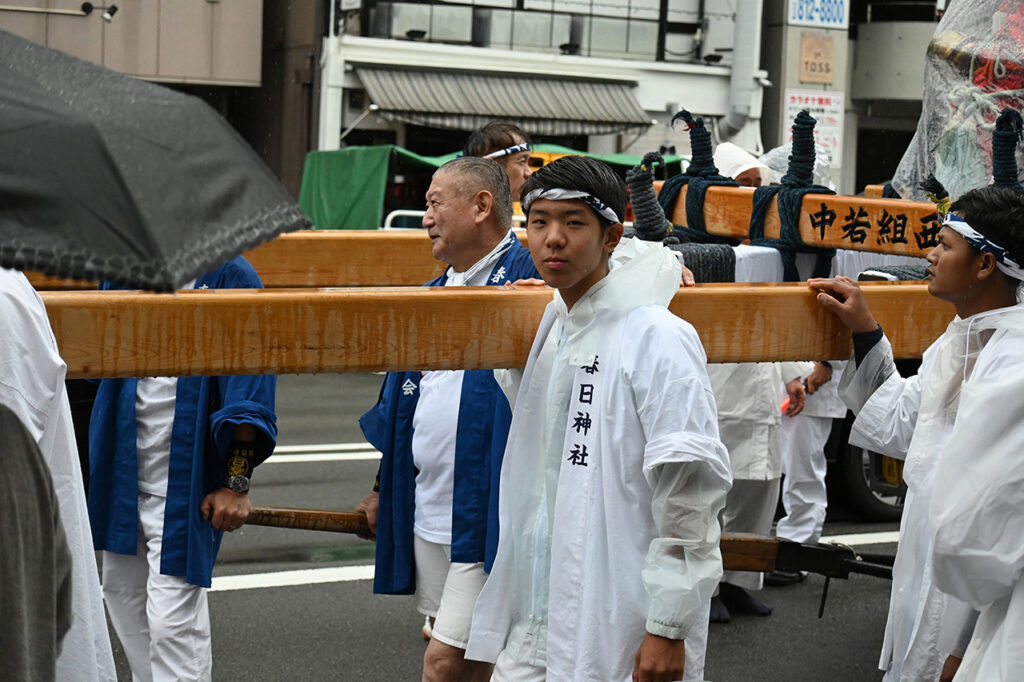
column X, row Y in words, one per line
column 777, row 160
column 749, row 419
column 733, row 162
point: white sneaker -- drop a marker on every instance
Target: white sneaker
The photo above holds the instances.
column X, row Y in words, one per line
column 427, row 630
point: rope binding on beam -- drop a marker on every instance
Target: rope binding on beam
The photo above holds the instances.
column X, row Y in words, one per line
column 699, row 175
column 798, row 181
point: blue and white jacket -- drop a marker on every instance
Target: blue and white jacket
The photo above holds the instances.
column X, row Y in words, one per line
column 484, row 418
column 206, row 411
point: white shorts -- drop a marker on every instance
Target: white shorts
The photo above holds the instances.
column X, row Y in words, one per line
column 447, row 591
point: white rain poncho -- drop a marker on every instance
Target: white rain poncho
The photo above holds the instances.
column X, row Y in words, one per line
column 732, row 160
column 913, row 419
column 611, row 484
column 977, row 511
column 32, row 386
column 777, row 160
column 974, row 68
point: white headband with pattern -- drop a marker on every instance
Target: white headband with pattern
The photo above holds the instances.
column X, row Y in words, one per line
column 559, row 194
column 514, row 149
column 983, row 243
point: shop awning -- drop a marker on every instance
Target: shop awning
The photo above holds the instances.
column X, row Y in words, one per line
column 540, row 105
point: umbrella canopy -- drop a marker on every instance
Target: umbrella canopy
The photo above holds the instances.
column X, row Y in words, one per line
column 104, row 176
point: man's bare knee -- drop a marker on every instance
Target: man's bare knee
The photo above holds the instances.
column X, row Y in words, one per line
column 442, row 662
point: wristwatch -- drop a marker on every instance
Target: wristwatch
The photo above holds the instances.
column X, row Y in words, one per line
column 238, row 484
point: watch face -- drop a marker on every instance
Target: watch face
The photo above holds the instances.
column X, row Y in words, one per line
column 238, row 484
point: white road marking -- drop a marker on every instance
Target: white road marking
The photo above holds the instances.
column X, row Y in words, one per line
column 322, row 447
column 323, row 452
column 342, row 574
column 309, row 576
column 855, row 539
column 365, row 456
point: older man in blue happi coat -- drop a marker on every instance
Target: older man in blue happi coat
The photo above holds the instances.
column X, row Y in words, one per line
column 442, row 434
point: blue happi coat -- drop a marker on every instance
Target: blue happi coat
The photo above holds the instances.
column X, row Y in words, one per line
column 206, row 411
column 484, row 418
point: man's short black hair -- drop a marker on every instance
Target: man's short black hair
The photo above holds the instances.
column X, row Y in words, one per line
column 583, row 174
column 998, row 213
column 494, row 136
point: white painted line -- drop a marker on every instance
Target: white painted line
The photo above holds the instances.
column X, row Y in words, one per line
column 365, row 456
column 322, row 447
column 309, row 576
column 879, row 538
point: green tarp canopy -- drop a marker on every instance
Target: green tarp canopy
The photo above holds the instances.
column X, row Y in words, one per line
column 345, row 189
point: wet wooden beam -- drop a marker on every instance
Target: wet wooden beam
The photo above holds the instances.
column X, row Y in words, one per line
column 347, row 258
column 325, row 258
column 905, row 228
column 116, row 333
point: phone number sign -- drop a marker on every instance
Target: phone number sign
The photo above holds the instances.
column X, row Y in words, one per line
column 820, row 13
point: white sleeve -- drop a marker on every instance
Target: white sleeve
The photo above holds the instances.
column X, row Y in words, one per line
column 684, row 564
column 687, row 466
column 795, row 370
column 885, row 403
column 508, row 381
column 977, row 513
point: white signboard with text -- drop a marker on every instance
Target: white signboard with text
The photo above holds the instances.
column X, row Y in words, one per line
column 819, row 13
column 826, row 107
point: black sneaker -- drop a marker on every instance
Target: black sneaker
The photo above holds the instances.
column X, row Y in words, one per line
column 783, row 578
column 738, row 600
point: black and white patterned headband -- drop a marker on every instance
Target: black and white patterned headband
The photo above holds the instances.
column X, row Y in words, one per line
column 559, row 194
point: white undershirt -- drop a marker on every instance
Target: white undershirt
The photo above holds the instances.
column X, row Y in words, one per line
column 155, row 399
column 434, row 425
column 154, row 420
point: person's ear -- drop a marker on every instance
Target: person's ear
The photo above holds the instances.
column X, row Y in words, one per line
column 612, row 235
column 986, row 266
column 483, row 203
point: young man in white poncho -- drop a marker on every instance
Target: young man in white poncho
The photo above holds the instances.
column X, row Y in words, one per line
column 614, row 474
column 958, row 425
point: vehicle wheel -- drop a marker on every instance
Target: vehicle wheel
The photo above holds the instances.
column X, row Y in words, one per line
column 870, row 495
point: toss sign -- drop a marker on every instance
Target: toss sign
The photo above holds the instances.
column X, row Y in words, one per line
column 820, row 13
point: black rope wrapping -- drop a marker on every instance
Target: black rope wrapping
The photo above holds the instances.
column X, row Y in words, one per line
column 699, row 175
column 708, row 262
column 1005, row 138
column 649, row 220
column 889, row 192
column 797, row 182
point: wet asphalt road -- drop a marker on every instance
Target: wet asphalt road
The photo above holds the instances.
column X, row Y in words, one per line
column 339, row 630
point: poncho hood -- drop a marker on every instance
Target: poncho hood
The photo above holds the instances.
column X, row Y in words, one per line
column 642, row 273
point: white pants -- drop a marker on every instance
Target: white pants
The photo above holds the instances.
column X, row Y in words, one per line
column 162, row 621
column 749, row 508
column 803, row 490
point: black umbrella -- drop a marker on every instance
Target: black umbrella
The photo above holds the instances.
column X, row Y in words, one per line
column 104, row 176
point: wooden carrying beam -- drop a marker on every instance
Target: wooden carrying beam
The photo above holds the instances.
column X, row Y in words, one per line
column 740, row 551
column 905, row 228
column 324, row 258
column 334, row 258
column 350, row 258
column 118, row 333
